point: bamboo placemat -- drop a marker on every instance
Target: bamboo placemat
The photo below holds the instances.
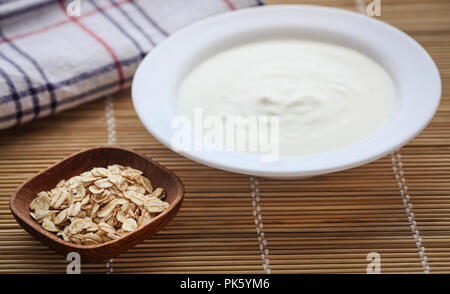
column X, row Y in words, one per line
column 398, row 206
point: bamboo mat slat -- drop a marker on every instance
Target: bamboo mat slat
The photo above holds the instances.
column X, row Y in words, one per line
column 325, row 224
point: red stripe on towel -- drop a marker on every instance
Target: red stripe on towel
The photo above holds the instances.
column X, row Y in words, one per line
column 229, row 4
column 63, row 22
column 101, row 42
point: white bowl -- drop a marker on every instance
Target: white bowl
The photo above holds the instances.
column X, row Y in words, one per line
column 415, row 75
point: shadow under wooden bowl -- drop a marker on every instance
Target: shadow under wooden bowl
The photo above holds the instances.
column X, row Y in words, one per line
column 83, row 161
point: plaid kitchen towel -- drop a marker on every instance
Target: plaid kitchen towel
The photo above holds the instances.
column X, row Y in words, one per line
column 57, row 54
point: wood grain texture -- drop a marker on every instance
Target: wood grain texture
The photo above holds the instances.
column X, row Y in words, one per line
column 326, row 224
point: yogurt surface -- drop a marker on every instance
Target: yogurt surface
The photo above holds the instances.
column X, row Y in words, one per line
column 326, row 96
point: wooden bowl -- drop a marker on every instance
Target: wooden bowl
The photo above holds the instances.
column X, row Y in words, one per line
column 84, row 161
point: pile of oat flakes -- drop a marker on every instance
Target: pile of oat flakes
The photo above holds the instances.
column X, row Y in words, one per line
column 99, row 205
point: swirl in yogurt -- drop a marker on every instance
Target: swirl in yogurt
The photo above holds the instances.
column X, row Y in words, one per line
column 326, row 96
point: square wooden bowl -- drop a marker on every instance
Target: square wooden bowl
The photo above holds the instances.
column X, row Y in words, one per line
column 84, row 161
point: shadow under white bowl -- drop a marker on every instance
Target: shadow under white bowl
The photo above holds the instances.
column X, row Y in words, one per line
column 417, row 81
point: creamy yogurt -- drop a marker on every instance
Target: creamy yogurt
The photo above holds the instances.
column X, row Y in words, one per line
column 326, row 96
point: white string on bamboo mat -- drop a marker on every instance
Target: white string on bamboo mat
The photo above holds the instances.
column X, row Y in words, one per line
column 361, row 6
column 397, row 167
column 110, row 120
column 111, row 127
column 254, row 184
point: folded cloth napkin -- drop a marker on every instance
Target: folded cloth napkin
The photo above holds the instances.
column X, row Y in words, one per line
column 57, row 54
